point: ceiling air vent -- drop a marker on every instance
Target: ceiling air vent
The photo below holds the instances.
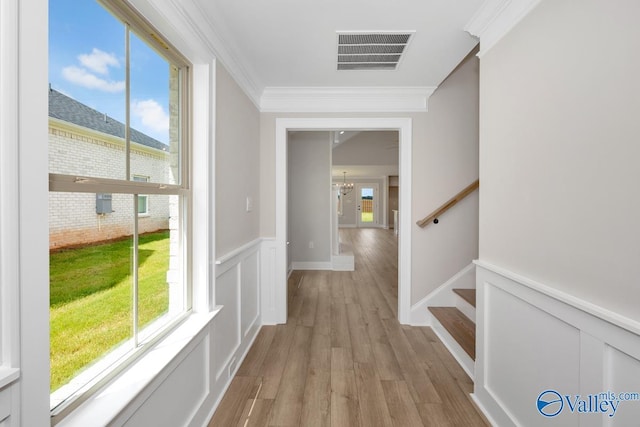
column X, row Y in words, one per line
column 371, row 51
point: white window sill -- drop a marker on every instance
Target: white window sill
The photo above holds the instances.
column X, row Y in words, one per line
column 105, row 405
column 8, row 375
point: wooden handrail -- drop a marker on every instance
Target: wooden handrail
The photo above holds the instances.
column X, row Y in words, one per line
column 449, row 204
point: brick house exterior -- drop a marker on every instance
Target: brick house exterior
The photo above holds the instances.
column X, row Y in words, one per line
column 85, row 142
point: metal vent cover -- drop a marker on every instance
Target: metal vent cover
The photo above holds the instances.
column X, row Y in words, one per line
column 371, row 50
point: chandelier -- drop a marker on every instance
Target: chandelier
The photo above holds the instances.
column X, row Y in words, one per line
column 345, row 188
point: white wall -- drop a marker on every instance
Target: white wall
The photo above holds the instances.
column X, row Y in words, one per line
column 445, row 162
column 237, row 165
column 559, row 230
column 368, row 148
column 309, row 203
column 559, row 152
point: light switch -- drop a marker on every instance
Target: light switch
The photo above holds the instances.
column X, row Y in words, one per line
column 249, row 204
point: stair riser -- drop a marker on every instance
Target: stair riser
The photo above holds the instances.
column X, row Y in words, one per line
column 466, row 308
column 454, row 348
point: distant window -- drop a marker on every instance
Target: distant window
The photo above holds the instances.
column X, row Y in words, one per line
column 143, row 199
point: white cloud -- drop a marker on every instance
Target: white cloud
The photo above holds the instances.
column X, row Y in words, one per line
column 82, row 77
column 99, row 61
column 151, row 114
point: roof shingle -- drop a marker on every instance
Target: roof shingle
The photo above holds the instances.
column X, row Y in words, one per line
column 69, row 110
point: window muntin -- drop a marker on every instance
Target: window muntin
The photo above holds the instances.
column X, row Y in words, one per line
column 138, row 171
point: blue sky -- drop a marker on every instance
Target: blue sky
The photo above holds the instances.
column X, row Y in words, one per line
column 87, row 63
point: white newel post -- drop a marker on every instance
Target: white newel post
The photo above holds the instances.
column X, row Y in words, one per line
column 335, row 200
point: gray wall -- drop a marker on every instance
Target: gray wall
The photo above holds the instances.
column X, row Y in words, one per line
column 559, row 151
column 444, row 162
column 309, row 203
column 237, row 165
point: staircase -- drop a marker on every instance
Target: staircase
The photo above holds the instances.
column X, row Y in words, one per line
column 457, row 329
column 455, row 325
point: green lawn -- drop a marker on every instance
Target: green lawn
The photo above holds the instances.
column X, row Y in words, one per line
column 366, row 217
column 91, row 299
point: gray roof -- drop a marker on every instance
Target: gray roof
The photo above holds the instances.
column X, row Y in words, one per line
column 69, row 110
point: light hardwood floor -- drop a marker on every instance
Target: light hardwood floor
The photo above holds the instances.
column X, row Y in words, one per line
column 343, row 359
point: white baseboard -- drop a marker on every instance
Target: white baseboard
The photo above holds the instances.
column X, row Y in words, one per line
column 454, row 348
column 304, row 265
column 532, row 338
column 228, row 381
column 343, row 262
column 386, row 227
column 442, row 296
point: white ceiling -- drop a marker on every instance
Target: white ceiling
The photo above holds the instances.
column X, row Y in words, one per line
column 292, row 43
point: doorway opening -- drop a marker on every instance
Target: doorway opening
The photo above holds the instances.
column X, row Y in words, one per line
column 275, row 292
column 367, row 205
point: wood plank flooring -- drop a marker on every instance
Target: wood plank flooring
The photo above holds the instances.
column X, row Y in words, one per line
column 461, row 328
column 343, row 359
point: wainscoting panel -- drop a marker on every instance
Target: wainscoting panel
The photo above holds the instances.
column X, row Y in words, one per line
column 200, row 374
column 273, row 295
column 227, row 329
column 186, row 388
column 249, row 291
column 534, row 352
column 544, row 357
column 622, row 375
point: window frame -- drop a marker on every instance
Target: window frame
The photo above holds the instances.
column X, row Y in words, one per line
column 138, row 25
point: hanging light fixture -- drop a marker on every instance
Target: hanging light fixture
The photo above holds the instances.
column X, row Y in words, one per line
column 345, row 188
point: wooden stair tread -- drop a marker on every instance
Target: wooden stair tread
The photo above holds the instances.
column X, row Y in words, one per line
column 469, row 295
column 461, row 328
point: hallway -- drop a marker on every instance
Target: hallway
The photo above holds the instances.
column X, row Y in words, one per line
column 343, row 359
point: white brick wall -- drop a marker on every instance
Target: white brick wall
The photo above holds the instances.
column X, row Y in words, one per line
column 72, row 216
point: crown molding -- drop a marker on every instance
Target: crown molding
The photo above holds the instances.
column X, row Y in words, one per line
column 202, row 38
column 495, row 19
column 223, row 49
column 345, row 99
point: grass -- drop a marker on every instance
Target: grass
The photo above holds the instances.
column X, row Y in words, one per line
column 366, row 217
column 91, row 299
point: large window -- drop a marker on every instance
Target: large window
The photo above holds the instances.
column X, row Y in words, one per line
column 118, row 193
